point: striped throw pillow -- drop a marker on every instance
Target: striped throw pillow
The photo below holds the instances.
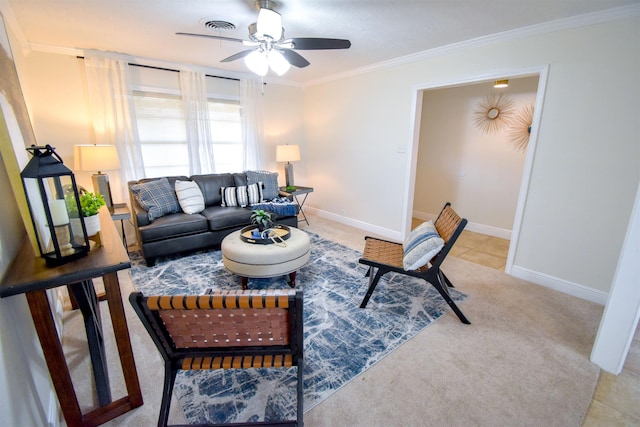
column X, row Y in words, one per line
column 422, row 244
column 235, row 196
column 254, row 191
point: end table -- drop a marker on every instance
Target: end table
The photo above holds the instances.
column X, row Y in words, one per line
column 299, row 191
column 121, row 213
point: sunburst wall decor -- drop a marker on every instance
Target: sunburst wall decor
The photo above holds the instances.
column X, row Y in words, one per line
column 520, row 128
column 493, row 112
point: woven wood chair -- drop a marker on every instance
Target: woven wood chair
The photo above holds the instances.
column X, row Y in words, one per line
column 383, row 256
column 225, row 330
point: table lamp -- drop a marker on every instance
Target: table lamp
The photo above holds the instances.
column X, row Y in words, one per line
column 98, row 158
column 288, row 153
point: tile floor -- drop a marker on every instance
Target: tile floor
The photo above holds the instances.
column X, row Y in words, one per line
column 616, row 400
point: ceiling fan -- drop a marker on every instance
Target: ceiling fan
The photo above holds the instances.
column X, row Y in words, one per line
column 269, row 47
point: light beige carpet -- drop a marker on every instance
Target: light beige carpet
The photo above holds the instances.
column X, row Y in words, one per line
column 523, row 361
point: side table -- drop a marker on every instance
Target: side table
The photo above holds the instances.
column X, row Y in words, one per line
column 121, row 213
column 299, row 191
column 29, row 275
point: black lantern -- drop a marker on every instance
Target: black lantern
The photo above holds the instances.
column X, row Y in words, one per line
column 54, row 204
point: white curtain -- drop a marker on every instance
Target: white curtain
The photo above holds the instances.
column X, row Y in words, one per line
column 194, row 94
column 252, row 124
column 113, row 117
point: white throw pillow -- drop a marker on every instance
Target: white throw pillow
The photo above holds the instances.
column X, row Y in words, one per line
column 189, row 196
column 422, row 244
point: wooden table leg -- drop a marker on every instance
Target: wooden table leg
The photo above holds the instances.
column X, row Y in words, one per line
column 54, row 356
column 121, row 332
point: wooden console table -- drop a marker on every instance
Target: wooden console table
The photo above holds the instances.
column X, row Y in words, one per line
column 29, row 275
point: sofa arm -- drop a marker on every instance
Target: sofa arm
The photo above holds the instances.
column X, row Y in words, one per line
column 139, row 214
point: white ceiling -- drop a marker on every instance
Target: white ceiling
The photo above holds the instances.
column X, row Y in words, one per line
column 379, row 30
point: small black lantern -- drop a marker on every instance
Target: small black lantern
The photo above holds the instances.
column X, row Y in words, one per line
column 54, row 203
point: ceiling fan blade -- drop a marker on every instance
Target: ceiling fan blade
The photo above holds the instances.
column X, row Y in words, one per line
column 238, row 55
column 294, row 58
column 311, row 43
column 211, row 36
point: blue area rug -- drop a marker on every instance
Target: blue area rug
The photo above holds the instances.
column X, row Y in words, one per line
column 340, row 339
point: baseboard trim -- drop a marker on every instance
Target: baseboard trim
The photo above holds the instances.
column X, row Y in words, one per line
column 541, row 279
column 560, row 285
column 471, row 226
column 380, row 231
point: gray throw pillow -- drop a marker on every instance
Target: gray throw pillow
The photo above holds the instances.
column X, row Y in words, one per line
column 269, row 179
column 156, row 197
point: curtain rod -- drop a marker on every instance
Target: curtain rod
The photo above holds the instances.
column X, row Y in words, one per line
column 171, row 69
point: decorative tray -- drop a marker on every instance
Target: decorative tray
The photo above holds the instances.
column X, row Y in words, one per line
column 275, row 234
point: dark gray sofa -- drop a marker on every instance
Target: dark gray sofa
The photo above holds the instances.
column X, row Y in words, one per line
column 180, row 232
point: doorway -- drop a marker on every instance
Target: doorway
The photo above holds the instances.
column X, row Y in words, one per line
column 484, row 177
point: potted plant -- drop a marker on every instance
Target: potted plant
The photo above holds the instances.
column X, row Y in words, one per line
column 90, row 204
column 262, row 219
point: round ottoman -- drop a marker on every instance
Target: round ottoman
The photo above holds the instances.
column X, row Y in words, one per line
column 261, row 261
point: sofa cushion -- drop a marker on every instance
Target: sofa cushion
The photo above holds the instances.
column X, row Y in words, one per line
column 220, row 218
column 422, row 244
column 170, row 226
column 269, row 181
column 240, row 178
column 189, row 196
column 210, row 186
column 157, row 197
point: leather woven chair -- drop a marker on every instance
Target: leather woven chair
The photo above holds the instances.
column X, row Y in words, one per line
column 383, row 257
column 225, row 330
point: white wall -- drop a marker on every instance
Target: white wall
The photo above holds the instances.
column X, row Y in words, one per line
column 55, row 91
column 574, row 222
column 25, row 388
column 26, row 394
column 283, row 124
column 479, row 173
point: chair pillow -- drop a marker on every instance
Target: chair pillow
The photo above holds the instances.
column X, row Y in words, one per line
column 234, row 196
column 189, row 196
column 269, row 181
column 156, row 197
column 422, row 244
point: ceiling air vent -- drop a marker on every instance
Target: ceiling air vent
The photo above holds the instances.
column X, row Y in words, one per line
column 218, row 24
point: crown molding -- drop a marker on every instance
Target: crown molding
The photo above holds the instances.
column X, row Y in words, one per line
column 10, row 21
column 609, row 15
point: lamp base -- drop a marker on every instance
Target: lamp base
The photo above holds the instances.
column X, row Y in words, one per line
column 101, row 186
column 288, row 173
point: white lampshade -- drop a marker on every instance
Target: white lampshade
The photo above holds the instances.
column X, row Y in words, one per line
column 257, row 62
column 95, row 158
column 269, row 24
column 287, row 153
column 278, row 62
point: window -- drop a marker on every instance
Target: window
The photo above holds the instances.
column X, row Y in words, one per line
column 162, row 133
column 226, row 133
column 163, row 137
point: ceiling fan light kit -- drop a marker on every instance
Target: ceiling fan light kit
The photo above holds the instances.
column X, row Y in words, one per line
column 257, row 62
column 269, row 47
column 269, row 25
